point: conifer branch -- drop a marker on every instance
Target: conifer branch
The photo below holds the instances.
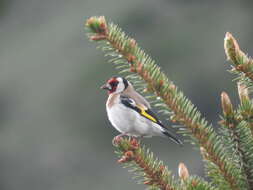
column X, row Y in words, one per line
column 130, row 58
column 144, row 165
column 151, row 171
column 243, row 67
column 242, row 124
column 236, row 136
column 244, row 149
column 245, row 109
column 242, row 64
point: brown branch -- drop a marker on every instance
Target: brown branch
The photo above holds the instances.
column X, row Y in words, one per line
column 131, row 152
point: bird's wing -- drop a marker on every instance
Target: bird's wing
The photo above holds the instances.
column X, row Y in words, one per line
column 139, row 99
column 148, row 114
column 142, row 110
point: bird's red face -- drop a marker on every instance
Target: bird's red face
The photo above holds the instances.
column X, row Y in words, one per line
column 116, row 85
column 111, row 85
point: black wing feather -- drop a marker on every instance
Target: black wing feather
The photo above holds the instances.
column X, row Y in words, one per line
column 128, row 102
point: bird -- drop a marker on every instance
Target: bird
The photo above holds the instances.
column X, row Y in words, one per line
column 130, row 113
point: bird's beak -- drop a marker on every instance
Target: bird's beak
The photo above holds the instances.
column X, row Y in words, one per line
column 106, row 87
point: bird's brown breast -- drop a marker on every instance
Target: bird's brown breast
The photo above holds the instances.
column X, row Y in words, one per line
column 111, row 100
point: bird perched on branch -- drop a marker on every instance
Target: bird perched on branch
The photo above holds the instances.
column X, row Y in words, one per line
column 130, row 113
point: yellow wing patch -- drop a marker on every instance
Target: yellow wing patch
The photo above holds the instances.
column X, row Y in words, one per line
column 145, row 114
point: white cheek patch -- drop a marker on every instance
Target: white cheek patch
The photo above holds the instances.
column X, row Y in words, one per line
column 120, row 87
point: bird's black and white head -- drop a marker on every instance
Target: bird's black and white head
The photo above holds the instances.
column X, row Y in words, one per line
column 116, row 85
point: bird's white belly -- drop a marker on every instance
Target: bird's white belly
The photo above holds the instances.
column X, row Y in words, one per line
column 129, row 122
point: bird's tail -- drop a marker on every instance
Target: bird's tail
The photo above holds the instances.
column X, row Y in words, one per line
column 172, row 137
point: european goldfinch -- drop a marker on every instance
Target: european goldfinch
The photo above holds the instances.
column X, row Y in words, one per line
column 130, row 113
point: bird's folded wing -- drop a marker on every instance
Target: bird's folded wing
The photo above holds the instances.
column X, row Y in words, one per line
column 142, row 110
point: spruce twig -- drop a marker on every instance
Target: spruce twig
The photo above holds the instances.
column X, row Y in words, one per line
column 245, row 109
column 182, row 110
column 231, row 123
column 144, row 164
column 152, row 171
column 239, row 124
column 242, row 64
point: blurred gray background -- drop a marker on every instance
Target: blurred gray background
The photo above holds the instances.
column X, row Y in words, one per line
column 54, row 133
